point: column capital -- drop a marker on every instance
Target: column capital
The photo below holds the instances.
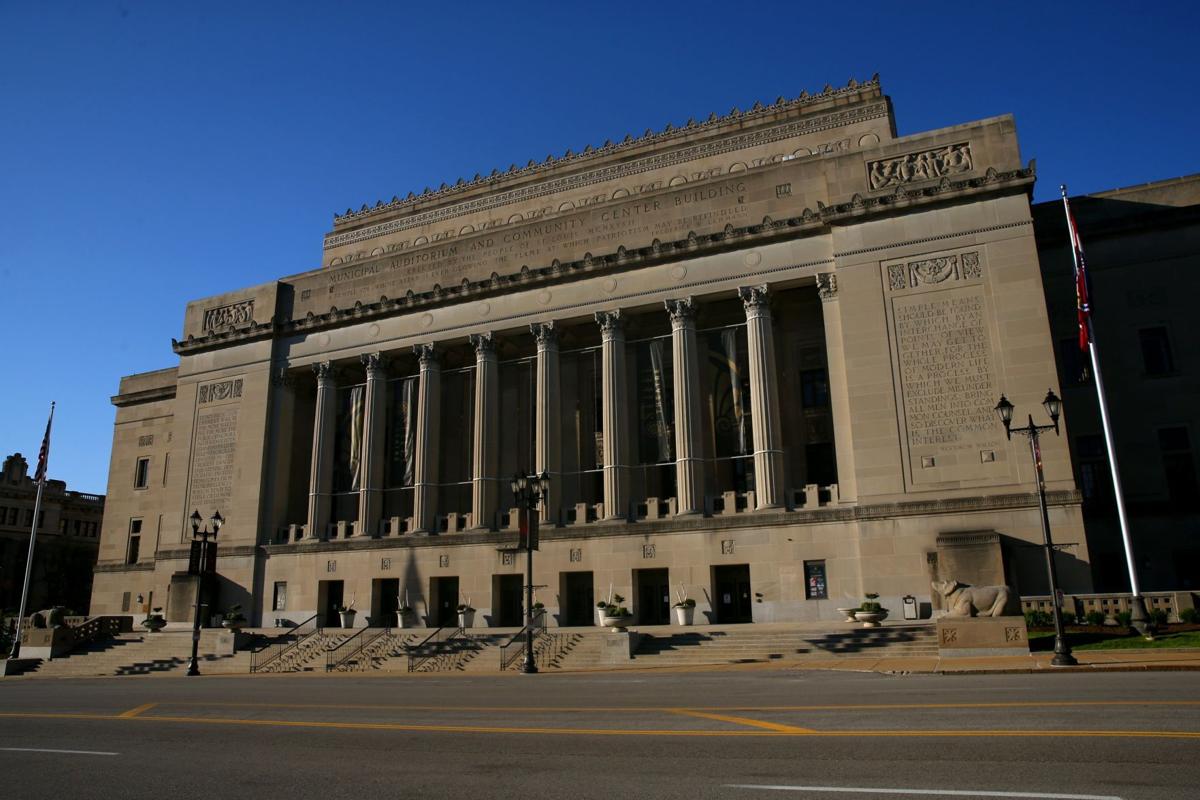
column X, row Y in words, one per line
column 374, row 363
column 827, row 286
column 609, row 321
column 545, row 333
column 683, row 310
column 755, row 298
column 484, row 343
column 324, row 371
column 427, row 353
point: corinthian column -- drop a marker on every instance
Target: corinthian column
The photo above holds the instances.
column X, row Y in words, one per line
column 839, row 387
column 320, row 481
column 370, row 493
column 548, row 417
column 689, row 464
column 485, row 460
column 428, row 427
column 764, row 398
column 616, row 419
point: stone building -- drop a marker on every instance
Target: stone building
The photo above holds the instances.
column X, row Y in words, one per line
column 757, row 355
column 68, row 541
column 1143, row 251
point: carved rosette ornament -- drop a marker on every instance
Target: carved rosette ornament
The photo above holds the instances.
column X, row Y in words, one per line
column 756, row 299
column 545, row 333
column 426, row 353
column 324, row 371
column 484, row 343
column 609, row 321
column 827, row 286
column 683, row 310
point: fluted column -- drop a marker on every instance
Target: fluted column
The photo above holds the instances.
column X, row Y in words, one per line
column 548, row 417
column 428, row 427
column 764, row 398
column 320, row 481
column 485, row 455
column 839, row 387
column 689, row 461
column 616, row 418
column 370, row 492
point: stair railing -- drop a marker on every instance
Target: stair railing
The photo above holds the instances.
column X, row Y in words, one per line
column 274, row 651
column 353, row 647
column 420, row 653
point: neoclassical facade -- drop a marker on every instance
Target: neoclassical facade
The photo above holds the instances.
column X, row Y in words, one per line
column 756, row 355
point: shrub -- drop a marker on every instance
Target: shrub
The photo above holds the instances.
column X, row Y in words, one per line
column 1095, row 618
column 1069, row 618
column 1157, row 616
column 1038, row 619
column 1189, row 616
column 1124, row 618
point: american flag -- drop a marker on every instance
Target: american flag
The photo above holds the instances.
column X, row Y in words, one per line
column 1082, row 281
column 44, row 454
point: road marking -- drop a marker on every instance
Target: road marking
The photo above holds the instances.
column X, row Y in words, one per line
column 133, row 712
column 927, row 792
column 754, row 723
column 48, row 750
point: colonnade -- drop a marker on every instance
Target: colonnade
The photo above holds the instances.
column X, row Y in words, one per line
column 617, row 449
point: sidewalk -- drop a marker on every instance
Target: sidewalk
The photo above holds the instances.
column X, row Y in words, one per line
column 1089, row 661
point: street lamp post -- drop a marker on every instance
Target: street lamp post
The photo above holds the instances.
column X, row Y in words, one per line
column 1053, row 406
column 528, row 493
column 200, row 537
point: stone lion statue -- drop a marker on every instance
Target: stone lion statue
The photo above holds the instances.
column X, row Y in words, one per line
column 972, row 601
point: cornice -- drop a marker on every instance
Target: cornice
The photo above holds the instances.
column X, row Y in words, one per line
column 146, row 395
column 591, row 154
column 767, row 231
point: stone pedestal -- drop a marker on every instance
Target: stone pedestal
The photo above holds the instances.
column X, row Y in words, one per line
column 982, row 636
column 618, row 648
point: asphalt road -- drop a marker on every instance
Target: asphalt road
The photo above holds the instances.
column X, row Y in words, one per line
column 736, row 735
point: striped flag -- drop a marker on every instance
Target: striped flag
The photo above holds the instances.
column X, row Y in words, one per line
column 44, row 454
column 1083, row 286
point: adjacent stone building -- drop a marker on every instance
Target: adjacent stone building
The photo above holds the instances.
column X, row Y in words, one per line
column 757, row 355
column 1143, row 252
column 68, row 540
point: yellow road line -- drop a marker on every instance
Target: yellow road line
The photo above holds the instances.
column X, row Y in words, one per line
column 133, row 712
column 754, row 723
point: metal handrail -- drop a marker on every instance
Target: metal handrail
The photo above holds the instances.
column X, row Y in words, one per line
column 284, row 646
column 332, row 662
column 539, row 629
column 416, row 658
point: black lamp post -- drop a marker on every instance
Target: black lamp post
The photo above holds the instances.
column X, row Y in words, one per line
column 1053, row 406
column 200, row 537
column 528, row 493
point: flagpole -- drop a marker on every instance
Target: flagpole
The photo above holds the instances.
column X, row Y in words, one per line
column 1138, row 607
column 37, row 512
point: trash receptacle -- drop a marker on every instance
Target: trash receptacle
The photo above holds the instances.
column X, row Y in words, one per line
column 910, row 606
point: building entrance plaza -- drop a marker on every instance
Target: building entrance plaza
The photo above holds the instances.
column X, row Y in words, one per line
column 757, row 357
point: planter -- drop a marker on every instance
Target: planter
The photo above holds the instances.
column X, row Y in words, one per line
column 870, row 619
column 616, row 623
column 154, row 624
column 348, row 618
column 406, row 619
column 684, row 615
column 848, row 613
column 466, row 619
column 600, row 616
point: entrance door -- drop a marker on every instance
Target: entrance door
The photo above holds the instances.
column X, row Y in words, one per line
column 653, row 597
column 507, row 606
column 733, row 600
column 581, row 599
column 329, row 600
column 385, row 601
column 443, row 596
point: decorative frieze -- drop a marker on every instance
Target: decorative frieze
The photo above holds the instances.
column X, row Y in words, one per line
column 926, row 165
column 146, row 441
column 649, row 550
column 827, row 285
column 935, row 270
column 222, row 390
column 232, row 315
column 576, row 555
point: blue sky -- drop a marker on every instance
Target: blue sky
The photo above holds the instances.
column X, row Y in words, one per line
column 152, row 153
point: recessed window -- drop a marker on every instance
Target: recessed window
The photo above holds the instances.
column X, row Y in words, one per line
column 1156, row 352
column 141, row 473
column 135, row 541
column 1095, row 480
column 814, row 388
column 279, row 602
column 1178, row 464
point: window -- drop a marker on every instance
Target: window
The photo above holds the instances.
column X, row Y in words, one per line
column 78, row 523
column 815, row 585
column 141, row 474
column 1156, row 352
column 1095, row 482
column 12, row 516
column 41, row 519
column 1178, row 465
column 814, row 388
column 1072, row 362
column 279, row 602
column 28, row 517
column 135, row 539
column 126, row 599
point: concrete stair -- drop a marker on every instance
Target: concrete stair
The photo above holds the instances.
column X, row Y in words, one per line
column 309, row 655
column 744, row 645
column 163, row 653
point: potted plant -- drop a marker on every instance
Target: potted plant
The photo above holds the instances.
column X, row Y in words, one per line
column 849, row 613
column 538, row 610
column 406, row 617
column 600, row 608
column 347, row 614
column 154, row 622
column 871, row 612
column 685, row 611
column 234, row 619
column 466, row 615
column 615, row 615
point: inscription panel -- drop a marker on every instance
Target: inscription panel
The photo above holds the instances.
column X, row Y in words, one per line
column 214, row 443
column 945, row 363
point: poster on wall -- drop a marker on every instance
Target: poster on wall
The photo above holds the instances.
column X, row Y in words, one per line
column 814, row 580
